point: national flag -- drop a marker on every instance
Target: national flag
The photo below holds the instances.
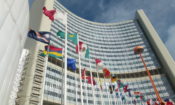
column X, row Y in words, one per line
column 87, row 54
column 122, row 97
column 120, row 84
column 49, row 13
column 168, row 102
column 99, row 62
column 51, row 48
column 41, row 36
column 83, row 49
column 70, row 36
column 116, row 90
column 106, row 73
column 52, row 51
column 125, row 88
column 129, row 93
column 142, row 97
column 83, row 74
column 111, row 88
column 134, row 101
column 71, row 63
column 55, row 15
column 113, row 79
column 116, row 94
column 52, row 54
column 137, row 93
column 91, row 81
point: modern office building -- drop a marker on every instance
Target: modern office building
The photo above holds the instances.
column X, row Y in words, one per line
column 113, row 43
column 14, row 23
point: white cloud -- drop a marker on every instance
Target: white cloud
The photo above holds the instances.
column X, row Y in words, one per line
column 170, row 43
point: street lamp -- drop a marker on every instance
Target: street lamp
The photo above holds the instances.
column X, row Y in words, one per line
column 139, row 50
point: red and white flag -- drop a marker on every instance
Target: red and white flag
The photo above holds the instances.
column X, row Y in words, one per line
column 55, row 15
column 99, row 62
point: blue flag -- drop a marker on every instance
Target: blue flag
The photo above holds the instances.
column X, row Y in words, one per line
column 42, row 36
column 71, row 63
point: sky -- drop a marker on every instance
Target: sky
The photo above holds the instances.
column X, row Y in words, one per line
column 160, row 12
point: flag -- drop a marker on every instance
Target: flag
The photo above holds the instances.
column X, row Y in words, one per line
column 116, row 94
column 113, row 79
column 116, row 90
column 49, row 13
column 91, row 81
column 61, row 16
column 122, row 97
column 125, row 88
column 41, row 36
column 137, row 93
column 106, row 73
column 87, row 54
column 55, row 15
column 70, row 36
column 111, row 88
column 134, row 101
column 53, row 49
column 120, row 84
column 52, row 54
column 83, row 49
column 168, row 102
column 83, row 73
column 71, row 63
column 99, row 62
column 129, row 93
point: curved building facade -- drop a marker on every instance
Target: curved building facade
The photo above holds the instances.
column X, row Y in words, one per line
column 113, row 43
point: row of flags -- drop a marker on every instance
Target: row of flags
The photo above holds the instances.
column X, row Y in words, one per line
column 83, row 49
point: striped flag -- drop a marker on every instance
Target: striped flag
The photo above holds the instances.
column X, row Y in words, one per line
column 53, row 51
column 83, row 49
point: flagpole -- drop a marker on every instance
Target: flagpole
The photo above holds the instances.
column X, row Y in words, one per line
column 92, row 86
column 79, row 62
column 99, row 86
column 86, row 88
column 104, row 78
column 75, row 88
column 45, row 69
column 115, row 97
column 65, row 65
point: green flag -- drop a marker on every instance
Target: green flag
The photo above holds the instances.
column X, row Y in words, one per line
column 87, row 53
column 70, row 36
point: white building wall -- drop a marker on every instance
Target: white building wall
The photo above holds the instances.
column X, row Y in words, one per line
column 14, row 22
